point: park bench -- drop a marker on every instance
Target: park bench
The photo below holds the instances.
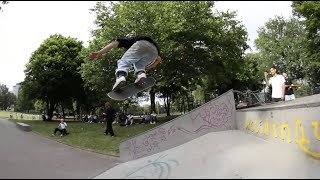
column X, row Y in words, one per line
column 23, row 126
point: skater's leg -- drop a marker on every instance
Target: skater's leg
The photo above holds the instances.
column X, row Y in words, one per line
column 150, row 55
column 132, row 55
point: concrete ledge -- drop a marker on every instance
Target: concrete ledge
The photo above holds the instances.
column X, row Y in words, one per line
column 23, row 126
column 302, row 102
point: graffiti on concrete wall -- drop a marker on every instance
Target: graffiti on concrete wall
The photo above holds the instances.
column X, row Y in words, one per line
column 213, row 115
column 159, row 168
column 296, row 134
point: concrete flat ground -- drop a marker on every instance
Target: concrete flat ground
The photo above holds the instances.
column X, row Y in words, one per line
column 225, row 154
column 28, row 155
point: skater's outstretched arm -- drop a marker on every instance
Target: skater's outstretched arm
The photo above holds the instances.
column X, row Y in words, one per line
column 97, row 54
column 154, row 64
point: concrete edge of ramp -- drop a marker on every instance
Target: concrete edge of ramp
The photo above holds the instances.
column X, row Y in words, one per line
column 302, row 102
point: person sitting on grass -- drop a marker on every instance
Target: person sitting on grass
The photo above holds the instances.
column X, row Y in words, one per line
column 62, row 128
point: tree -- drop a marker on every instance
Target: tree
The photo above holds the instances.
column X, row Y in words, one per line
column 310, row 11
column 194, row 43
column 52, row 72
column 249, row 76
column 282, row 43
column 6, row 98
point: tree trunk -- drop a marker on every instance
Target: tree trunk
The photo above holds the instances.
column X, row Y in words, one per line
column 78, row 111
column 152, row 100
column 167, row 105
column 47, row 107
column 62, row 108
column 51, row 109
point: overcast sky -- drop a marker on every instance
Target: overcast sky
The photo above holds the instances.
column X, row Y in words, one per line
column 24, row 25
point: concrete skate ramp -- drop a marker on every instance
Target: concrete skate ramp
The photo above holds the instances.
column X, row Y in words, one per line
column 216, row 115
column 279, row 140
column 224, row 154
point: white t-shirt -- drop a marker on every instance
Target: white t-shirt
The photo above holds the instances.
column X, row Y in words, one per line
column 276, row 83
column 63, row 125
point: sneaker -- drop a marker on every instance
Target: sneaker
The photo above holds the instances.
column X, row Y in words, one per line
column 61, row 135
column 119, row 83
column 140, row 78
column 53, row 135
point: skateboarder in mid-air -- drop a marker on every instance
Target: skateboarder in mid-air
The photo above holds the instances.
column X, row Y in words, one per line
column 143, row 53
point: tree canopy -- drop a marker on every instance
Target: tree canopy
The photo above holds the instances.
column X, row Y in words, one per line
column 52, row 72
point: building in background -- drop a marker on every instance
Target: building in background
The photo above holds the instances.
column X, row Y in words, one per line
column 15, row 89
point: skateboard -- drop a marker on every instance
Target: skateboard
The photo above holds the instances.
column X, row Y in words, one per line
column 131, row 89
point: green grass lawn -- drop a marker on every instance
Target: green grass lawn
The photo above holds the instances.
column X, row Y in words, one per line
column 89, row 136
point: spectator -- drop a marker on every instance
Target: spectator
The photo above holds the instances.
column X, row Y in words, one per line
column 95, row 118
column 44, row 118
column 289, row 93
column 100, row 119
column 122, row 119
column 85, row 118
column 62, row 128
column 130, row 119
column 146, row 118
column 277, row 84
column 110, row 115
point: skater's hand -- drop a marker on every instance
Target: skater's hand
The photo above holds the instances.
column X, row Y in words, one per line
column 94, row 55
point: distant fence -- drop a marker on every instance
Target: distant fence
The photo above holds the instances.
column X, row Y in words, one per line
column 21, row 116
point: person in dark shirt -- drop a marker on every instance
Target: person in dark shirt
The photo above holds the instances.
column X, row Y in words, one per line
column 142, row 52
column 289, row 93
column 110, row 115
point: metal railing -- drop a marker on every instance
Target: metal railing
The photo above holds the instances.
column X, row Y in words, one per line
column 250, row 98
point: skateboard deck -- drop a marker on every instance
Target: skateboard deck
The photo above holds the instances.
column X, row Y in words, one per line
column 131, row 89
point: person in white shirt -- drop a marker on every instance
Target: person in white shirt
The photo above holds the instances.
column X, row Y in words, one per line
column 130, row 119
column 277, row 83
column 62, row 128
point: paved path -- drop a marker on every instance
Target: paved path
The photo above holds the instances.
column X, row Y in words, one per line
column 28, row 155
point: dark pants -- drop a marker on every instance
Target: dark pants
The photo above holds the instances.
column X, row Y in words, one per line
column 62, row 131
column 109, row 127
column 276, row 99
